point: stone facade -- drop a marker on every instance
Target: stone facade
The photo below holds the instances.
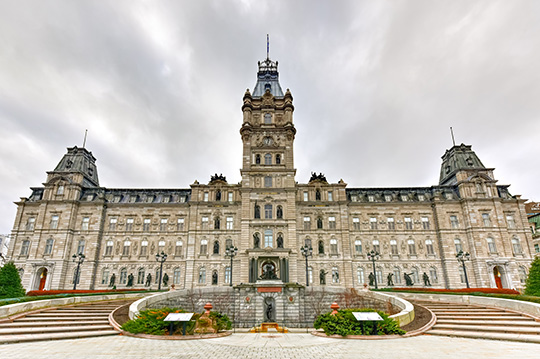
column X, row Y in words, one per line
column 268, row 217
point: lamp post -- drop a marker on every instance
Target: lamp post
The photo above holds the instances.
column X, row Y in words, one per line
column 79, row 259
column 374, row 256
column 230, row 252
column 306, row 252
column 462, row 257
column 161, row 258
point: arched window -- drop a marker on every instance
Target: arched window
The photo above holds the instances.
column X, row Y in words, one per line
column 126, row 247
column 144, row 247
column 140, row 276
column 279, row 212
column 457, row 244
column 307, row 242
column 257, row 159
column 202, row 275
column 321, row 247
column 278, row 159
column 227, row 278
column 176, row 277
column 397, row 275
column 267, row 116
column 161, row 246
column 433, row 275
column 123, row 276
column 415, row 277
column 319, row 223
column 48, row 246
column 516, row 246
column 267, row 159
column 491, row 245
column 335, row 275
column 178, row 249
column 376, row 246
column 360, row 275
column 429, row 246
column 216, row 223
column 394, row 247
column 109, row 248
column 257, row 210
column 333, row 246
column 412, row 247
column 216, row 247
column 358, row 246
column 268, row 211
column 204, row 246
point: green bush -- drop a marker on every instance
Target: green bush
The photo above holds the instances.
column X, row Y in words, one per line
column 10, row 282
column 221, row 321
column 532, row 287
column 344, row 323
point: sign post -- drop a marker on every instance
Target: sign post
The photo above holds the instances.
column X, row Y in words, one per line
column 178, row 317
column 368, row 317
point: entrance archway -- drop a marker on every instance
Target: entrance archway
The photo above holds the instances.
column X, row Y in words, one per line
column 498, row 277
column 41, row 277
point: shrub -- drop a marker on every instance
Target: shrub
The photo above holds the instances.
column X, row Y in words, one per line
column 532, row 287
column 221, row 321
column 10, row 282
column 344, row 323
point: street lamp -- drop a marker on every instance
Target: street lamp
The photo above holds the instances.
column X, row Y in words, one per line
column 374, row 256
column 462, row 257
column 79, row 259
column 230, row 252
column 160, row 257
column 306, row 252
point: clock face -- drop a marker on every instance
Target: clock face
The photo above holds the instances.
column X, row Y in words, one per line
column 268, row 141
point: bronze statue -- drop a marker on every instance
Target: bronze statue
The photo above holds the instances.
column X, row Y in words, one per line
column 148, row 280
column 322, row 276
column 389, row 280
column 113, row 279
column 408, row 280
column 256, row 240
column 425, row 277
column 280, row 241
column 371, row 278
column 165, row 279
column 130, row 280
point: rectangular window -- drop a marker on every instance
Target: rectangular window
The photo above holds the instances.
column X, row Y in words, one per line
column 146, row 225
column 425, row 222
column 178, row 249
column 54, row 222
column 333, row 246
column 358, row 246
column 112, row 224
column 388, row 198
column 454, row 222
column 267, row 181
column 373, row 223
column 404, row 197
column 537, row 248
column 376, row 246
column 335, row 275
column 109, row 248
column 330, row 196
column 48, row 246
column 268, row 238
column 307, row 223
column 306, row 198
column 391, row 223
column 105, row 277
column 85, row 223
column 144, row 248
column 510, row 221
column 24, row 247
column 230, row 197
column 163, row 225
column 429, row 246
column 30, row 223
column 268, row 211
column 229, row 223
column 332, row 222
column 125, row 249
column 421, row 198
column 80, row 247
column 412, row 247
column 356, row 223
column 486, row 219
column 204, row 223
column 180, row 224
column 205, row 197
column 393, row 247
column 408, row 223
column 129, row 224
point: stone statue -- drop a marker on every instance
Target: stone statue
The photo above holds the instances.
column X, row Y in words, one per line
column 425, row 277
column 322, row 276
column 268, row 272
column 408, row 280
column 148, row 280
column 218, row 196
column 389, row 280
column 371, row 279
column 256, row 241
column 279, row 212
column 216, row 247
column 214, row 278
column 280, row 241
column 321, row 247
column 257, row 211
column 113, row 279
column 130, row 280
column 165, row 279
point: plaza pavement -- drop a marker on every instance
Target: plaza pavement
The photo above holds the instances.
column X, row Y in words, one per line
column 271, row 346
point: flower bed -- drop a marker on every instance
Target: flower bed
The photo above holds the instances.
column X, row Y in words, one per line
column 449, row 291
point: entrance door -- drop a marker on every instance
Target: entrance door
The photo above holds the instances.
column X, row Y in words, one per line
column 497, row 275
column 42, row 279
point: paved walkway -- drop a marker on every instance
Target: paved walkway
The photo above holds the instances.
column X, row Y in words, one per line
column 262, row 346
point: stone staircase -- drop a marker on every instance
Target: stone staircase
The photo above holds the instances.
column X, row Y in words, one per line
column 468, row 321
column 80, row 321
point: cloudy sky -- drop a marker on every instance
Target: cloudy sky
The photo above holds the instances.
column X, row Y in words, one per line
column 159, row 86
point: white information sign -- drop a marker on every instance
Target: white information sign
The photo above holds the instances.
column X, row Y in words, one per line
column 367, row 316
column 178, row 317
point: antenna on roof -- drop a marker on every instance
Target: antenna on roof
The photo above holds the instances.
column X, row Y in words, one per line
column 452, row 133
column 267, row 47
column 84, row 142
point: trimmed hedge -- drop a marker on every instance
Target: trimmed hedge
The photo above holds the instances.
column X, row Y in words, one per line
column 344, row 323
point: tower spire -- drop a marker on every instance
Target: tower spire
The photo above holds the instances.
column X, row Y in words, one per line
column 267, row 47
column 84, row 141
column 452, row 133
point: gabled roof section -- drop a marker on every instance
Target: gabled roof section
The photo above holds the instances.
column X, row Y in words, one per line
column 267, row 79
column 80, row 160
column 459, row 157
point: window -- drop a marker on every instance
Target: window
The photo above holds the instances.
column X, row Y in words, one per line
column 425, row 222
column 358, row 246
column 486, row 219
column 140, row 276
column 433, row 275
column 379, row 275
column 307, row 223
column 161, row 246
column 204, row 222
column 60, row 189
column 215, row 249
column 356, row 223
column 376, row 246
column 123, row 276
column 54, row 222
column 373, row 222
column 268, row 211
column 267, row 119
column 360, row 275
column 109, row 248
column 335, row 275
column 537, row 248
column 393, row 247
column 268, row 238
column 217, row 223
column 85, row 223
column 412, row 247
column 429, row 246
column 129, row 224
column 48, row 246
column 267, row 181
column 180, row 224
column 306, row 197
column 178, row 248
column 319, row 223
column 257, row 159
column 404, row 198
column 332, row 222
column 125, row 249
column 205, row 197
column 333, row 246
column 144, row 247
column 267, row 159
column 516, row 246
column 415, row 276
column 230, row 195
column 318, row 195
column 163, row 224
column 278, row 159
column 330, row 196
column 112, row 224
column 522, row 275
column 510, row 221
column 454, row 222
column 204, row 246
column 371, row 198
column 457, row 244
column 491, row 245
column 307, row 242
column 156, row 280
column 408, row 223
column 229, row 223
column 448, row 195
column 354, row 198
column 30, row 223
column 421, row 198
column 391, row 223
column 176, row 276
column 105, row 276
column 397, row 275
column 80, row 246
column 228, row 243
column 227, row 277
column 146, row 225
column 279, row 212
column 388, row 198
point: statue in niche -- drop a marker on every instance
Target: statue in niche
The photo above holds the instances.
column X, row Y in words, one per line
column 335, row 276
column 389, row 280
column 408, row 280
column 425, row 277
column 371, row 278
column 112, row 280
column 214, row 278
column 257, row 211
column 218, row 195
column 269, row 271
column 256, row 240
column 216, row 223
column 322, row 276
column 216, row 247
column 279, row 212
column 148, row 280
column 130, row 280
column 321, row 247
column 269, row 311
column 317, row 195
column 280, row 241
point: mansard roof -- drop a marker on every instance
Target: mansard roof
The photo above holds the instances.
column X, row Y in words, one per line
column 267, row 78
column 79, row 160
column 460, row 157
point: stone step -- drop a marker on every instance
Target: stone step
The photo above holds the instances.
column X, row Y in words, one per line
column 482, row 317
column 529, row 338
column 54, row 336
column 521, row 323
column 53, row 319
column 77, row 312
column 460, row 312
column 489, row 328
column 53, row 329
column 479, row 310
column 18, row 324
column 58, row 315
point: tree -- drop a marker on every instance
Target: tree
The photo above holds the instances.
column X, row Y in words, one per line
column 533, row 280
column 10, row 282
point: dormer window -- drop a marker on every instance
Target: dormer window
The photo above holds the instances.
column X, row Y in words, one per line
column 267, row 87
column 60, row 189
column 267, row 116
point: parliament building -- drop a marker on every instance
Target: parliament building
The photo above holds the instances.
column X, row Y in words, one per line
column 269, row 217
